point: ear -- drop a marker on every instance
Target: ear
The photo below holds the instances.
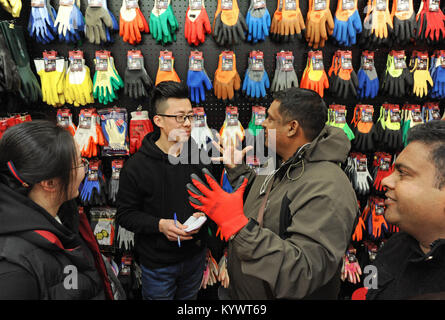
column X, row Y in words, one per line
column 293, row 127
column 49, row 185
column 157, row 120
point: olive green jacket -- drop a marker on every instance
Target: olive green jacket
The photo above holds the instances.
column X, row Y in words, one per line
column 307, row 227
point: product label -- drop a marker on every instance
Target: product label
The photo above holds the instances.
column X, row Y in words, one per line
column 346, row 60
column 101, row 60
column 162, row 4
column 50, row 60
column 76, row 61
column 226, row 4
column 37, row 3
column 166, row 61
column 348, row 4
column 259, row 4
column 403, row 5
column 132, row 4
column 196, row 61
column 381, row 5
column 135, row 60
column 260, row 115
column 227, row 61
column 286, row 61
column 317, row 60
column 257, row 61
column 195, row 4
column 291, row 5
column 232, row 116
column 95, row 3
column 68, row 3
column 394, row 114
column 434, row 5
column 367, row 113
column 319, row 5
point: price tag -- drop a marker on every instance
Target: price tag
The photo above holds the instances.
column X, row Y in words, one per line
column 403, row 5
column 319, row 5
column 196, row 61
column 259, row 4
column 101, row 60
column 68, row 3
column 95, row 3
column 257, row 61
column 37, row 3
column 166, row 61
column 135, row 60
column 348, row 4
column 317, row 60
column 291, row 5
column 162, row 4
column 195, row 4
column 434, row 5
column 227, row 61
column 76, row 61
column 226, row 4
column 132, row 4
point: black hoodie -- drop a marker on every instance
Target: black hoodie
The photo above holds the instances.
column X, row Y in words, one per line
column 152, row 188
column 35, row 245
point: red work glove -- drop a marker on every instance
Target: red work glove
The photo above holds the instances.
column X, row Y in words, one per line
column 197, row 25
column 225, row 209
column 138, row 130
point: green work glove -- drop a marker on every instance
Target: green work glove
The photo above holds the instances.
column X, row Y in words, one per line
column 163, row 24
column 106, row 83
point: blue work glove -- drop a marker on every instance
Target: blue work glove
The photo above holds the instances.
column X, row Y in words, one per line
column 438, row 76
column 258, row 23
column 255, row 83
column 196, row 81
column 41, row 24
column 368, row 82
column 347, row 25
column 70, row 23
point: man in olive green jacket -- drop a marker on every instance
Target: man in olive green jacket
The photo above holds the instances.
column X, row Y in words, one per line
column 297, row 249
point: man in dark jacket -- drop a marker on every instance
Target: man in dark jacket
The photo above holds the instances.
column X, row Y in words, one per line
column 151, row 194
column 308, row 207
column 411, row 264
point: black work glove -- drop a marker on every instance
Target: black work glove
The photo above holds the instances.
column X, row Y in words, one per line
column 137, row 83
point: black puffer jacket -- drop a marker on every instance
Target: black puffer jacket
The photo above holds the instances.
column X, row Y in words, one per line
column 41, row 258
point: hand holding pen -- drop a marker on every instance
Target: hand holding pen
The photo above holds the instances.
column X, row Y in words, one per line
column 174, row 230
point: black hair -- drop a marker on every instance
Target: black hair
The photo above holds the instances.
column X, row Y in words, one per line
column 305, row 106
column 164, row 91
column 39, row 150
column 432, row 134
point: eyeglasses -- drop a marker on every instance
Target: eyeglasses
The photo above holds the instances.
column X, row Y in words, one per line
column 180, row 118
column 85, row 164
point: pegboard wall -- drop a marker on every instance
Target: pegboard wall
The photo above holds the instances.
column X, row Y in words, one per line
column 181, row 51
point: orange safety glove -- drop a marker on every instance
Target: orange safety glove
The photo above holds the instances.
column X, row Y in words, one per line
column 276, row 19
column 404, row 20
column 229, row 25
column 291, row 21
column 168, row 74
column 315, row 80
column 319, row 23
column 131, row 23
column 226, row 81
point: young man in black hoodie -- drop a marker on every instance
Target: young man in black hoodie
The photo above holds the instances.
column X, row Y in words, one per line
column 152, row 193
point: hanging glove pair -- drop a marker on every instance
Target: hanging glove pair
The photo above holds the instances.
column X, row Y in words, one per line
column 368, row 81
column 106, row 79
column 319, row 23
column 257, row 118
column 30, row 90
column 351, row 270
column 89, row 133
column 227, row 79
column 78, row 85
column 347, row 23
column 382, row 168
column 131, row 23
column 431, row 111
column 256, row 80
column 430, row 22
column 337, row 118
column 314, row 76
column 12, row 6
column 412, row 116
column 197, row 79
column 163, row 23
column 232, row 130
column 52, row 81
column 41, row 23
column 201, row 132
column 258, row 21
column 364, row 129
column 70, row 22
column 357, row 171
column 343, row 81
column 137, row 80
column 284, row 76
column 422, row 80
column 377, row 26
column 140, row 126
column 397, row 80
column 404, row 20
column 197, row 23
column 287, row 22
column 166, row 68
column 93, row 193
column 229, row 25
column 389, row 127
column 10, row 80
column 374, row 212
column 99, row 22
column 437, row 71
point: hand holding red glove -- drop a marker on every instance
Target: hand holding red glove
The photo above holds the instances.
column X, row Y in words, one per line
column 225, row 209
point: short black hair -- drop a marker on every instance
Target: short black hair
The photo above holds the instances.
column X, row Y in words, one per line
column 432, row 134
column 305, row 106
column 165, row 90
column 40, row 150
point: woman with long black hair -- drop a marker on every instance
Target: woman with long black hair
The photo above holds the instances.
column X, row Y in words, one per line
column 47, row 249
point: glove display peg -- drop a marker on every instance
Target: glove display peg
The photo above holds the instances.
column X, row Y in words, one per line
column 319, row 23
column 285, row 76
column 227, row 80
column 166, row 68
column 197, row 23
column 163, row 23
column 197, row 79
column 229, row 25
column 256, row 80
column 343, row 81
column 287, row 22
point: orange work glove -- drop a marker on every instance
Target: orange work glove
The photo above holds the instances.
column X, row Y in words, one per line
column 320, row 25
column 274, row 26
column 131, row 23
column 166, row 75
column 315, row 80
column 229, row 25
column 226, row 81
column 289, row 21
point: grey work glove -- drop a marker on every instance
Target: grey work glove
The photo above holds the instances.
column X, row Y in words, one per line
column 96, row 20
column 283, row 79
column 136, row 83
